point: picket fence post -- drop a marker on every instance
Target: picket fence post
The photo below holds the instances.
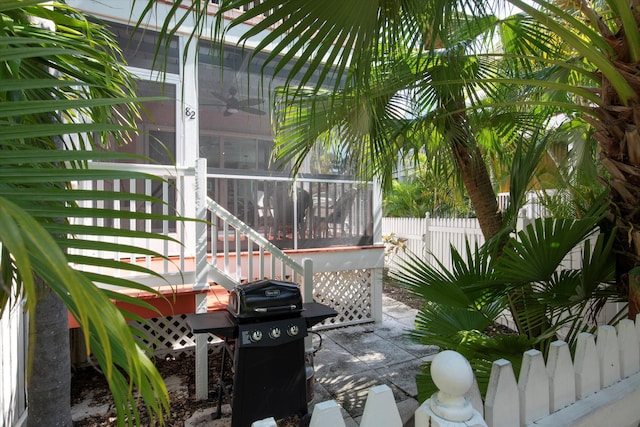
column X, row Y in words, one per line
column 327, row 414
column 453, row 376
column 426, row 239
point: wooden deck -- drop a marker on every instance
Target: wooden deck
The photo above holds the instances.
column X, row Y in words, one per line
column 172, row 301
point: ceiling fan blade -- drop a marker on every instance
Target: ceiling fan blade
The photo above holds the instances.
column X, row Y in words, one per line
column 252, row 110
column 252, row 101
column 219, row 96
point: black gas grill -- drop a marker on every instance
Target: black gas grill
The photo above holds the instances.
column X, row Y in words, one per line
column 264, row 299
column 264, row 330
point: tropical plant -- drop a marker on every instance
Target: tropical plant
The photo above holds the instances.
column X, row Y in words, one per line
column 63, row 90
column 605, row 41
column 522, row 282
column 570, row 171
column 527, row 287
column 415, row 198
column 593, row 53
column 426, row 190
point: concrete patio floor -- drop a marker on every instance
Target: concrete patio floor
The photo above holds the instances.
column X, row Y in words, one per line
column 351, row 360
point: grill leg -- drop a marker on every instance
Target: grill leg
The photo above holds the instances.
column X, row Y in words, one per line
column 222, row 387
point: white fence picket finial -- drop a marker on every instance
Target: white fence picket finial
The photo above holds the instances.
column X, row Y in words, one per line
column 453, row 376
column 267, row 422
column 609, row 355
column 327, row 414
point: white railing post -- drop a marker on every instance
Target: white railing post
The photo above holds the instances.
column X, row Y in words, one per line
column 201, row 227
column 453, row 376
column 426, row 238
column 307, row 295
column 307, row 280
column 201, row 283
column 376, row 196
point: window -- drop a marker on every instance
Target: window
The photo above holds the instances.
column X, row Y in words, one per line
column 155, row 138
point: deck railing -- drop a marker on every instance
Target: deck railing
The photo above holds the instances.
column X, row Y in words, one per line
column 334, row 212
column 238, row 253
column 174, row 189
column 200, row 259
column 258, row 259
column 322, row 211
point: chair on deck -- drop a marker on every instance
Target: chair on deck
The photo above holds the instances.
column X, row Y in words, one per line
column 281, row 205
column 339, row 212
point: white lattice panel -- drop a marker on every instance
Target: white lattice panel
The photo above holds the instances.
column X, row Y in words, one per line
column 349, row 292
column 168, row 335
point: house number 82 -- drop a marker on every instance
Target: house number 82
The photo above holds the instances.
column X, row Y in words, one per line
column 190, row 113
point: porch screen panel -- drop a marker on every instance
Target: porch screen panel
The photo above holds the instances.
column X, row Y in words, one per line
column 138, row 48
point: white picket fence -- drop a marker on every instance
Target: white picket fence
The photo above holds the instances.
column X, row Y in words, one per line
column 432, row 238
column 600, row 386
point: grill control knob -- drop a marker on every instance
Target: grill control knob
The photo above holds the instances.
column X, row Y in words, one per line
column 275, row 332
column 293, row 330
column 255, row 336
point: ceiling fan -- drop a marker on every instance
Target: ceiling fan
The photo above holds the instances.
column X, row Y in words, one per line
column 233, row 105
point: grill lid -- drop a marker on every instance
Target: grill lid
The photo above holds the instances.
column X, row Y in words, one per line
column 264, row 298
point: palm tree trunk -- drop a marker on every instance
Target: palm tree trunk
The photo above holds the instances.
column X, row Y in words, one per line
column 49, row 381
column 476, row 180
column 474, row 172
column 618, row 136
column 624, row 199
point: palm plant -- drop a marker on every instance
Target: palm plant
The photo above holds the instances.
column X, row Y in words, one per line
column 527, row 285
column 389, row 99
column 427, row 185
column 571, row 172
column 593, row 51
column 604, row 41
column 61, row 79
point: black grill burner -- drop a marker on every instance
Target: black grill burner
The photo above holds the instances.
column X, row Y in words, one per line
column 264, row 329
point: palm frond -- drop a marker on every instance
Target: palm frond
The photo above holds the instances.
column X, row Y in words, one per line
column 62, row 80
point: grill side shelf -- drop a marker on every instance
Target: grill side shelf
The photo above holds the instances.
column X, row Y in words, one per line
column 219, row 323
column 315, row 312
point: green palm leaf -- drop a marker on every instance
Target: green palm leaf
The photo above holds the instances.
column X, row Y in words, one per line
column 541, row 247
column 62, row 80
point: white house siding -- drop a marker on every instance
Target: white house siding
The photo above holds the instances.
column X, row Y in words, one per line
column 13, row 351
